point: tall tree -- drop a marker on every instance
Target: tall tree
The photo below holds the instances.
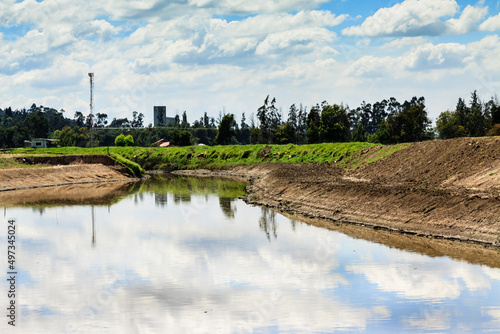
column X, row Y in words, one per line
column 334, row 124
column 227, row 130
column 102, row 120
column 137, row 120
column 264, row 122
column 206, row 120
column 447, row 125
column 494, row 106
column 37, row 125
column 313, row 125
column 184, row 123
column 292, row 122
column 301, row 125
column 79, row 119
column 476, row 121
column 408, row 125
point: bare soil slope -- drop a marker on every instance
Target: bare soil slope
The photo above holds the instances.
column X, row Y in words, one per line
column 23, row 178
column 445, row 189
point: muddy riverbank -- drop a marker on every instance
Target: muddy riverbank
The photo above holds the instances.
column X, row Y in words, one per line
column 44, row 176
column 443, row 189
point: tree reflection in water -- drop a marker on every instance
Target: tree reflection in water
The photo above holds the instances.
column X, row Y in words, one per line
column 182, row 198
column 267, row 223
column 161, row 199
column 227, row 208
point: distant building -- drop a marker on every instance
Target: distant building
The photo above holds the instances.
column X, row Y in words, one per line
column 160, row 116
column 40, row 143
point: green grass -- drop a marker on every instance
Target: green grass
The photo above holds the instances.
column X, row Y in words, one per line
column 345, row 155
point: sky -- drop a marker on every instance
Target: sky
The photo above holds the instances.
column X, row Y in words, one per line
column 228, row 55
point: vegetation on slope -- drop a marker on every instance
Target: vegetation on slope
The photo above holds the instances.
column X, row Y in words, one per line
column 346, row 155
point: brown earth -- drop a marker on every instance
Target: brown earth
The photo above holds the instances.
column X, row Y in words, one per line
column 446, row 189
column 24, row 178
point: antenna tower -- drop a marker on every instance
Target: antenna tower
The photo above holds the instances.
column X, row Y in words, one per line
column 91, row 76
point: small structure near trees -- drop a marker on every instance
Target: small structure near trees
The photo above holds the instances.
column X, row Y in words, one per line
column 40, row 143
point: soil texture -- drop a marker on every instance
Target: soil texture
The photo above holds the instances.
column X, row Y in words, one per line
column 445, row 189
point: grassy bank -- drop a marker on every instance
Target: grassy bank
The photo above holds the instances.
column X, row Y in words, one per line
column 346, row 155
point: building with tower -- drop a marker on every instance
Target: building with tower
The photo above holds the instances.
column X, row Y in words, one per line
column 160, row 116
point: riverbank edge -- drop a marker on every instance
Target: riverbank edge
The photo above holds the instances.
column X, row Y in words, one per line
column 258, row 194
column 63, row 175
column 442, row 189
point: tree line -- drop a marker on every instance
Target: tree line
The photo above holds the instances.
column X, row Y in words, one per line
column 387, row 121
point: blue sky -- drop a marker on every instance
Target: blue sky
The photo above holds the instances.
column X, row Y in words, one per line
column 206, row 55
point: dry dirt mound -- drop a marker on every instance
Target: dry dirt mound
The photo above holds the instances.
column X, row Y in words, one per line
column 22, row 178
column 439, row 188
column 466, row 163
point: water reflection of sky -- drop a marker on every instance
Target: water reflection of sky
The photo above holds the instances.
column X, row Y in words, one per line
column 201, row 264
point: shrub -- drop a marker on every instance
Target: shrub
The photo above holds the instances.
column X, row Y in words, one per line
column 120, row 140
column 129, row 140
column 495, row 130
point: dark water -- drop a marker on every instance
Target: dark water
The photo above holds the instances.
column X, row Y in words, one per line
column 184, row 255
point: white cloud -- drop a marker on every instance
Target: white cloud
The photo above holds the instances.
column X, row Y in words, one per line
column 409, row 18
column 467, row 21
column 420, row 18
column 157, row 10
column 430, row 321
column 301, row 40
column 441, row 56
column 167, row 52
column 405, row 42
column 179, row 275
column 491, row 24
column 410, row 280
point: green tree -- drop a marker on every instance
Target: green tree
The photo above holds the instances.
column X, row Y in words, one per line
column 184, row 123
column 360, row 135
column 447, row 125
column 408, row 125
column 300, row 132
column 495, row 110
column 476, row 120
column 79, row 119
column 181, row 138
column 120, row 140
column 313, row 125
column 334, row 124
column 137, row 120
column 285, row 134
column 120, row 123
column 102, row 120
column 128, row 140
column 37, row 125
column 66, row 137
column 254, row 136
column 243, row 133
column 269, row 119
column 227, row 130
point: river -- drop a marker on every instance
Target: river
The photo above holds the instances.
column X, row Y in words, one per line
column 177, row 254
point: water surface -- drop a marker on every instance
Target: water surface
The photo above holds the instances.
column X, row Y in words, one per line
column 185, row 255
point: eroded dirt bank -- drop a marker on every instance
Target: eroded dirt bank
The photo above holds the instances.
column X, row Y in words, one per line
column 447, row 189
column 24, row 178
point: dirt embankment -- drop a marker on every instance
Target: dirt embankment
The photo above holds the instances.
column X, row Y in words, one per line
column 63, row 170
column 447, row 189
column 439, row 188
